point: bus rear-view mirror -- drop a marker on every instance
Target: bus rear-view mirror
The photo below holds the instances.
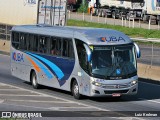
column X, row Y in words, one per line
column 138, row 52
column 88, row 51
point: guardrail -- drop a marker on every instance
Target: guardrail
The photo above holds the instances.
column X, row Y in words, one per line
column 150, row 53
column 131, row 23
column 156, row 40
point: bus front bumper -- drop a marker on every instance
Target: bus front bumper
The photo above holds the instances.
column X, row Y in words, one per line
column 114, row 90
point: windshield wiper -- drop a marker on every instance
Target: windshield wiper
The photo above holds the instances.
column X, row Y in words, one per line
column 99, row 76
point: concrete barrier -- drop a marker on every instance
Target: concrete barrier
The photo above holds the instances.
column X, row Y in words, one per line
column 149, row 72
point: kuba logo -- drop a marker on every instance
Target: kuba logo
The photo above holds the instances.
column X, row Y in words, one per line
column 17, row 57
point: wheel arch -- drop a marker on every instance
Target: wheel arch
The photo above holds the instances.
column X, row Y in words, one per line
column 71, row 83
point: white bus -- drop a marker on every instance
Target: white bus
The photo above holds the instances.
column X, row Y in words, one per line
column 85, row 61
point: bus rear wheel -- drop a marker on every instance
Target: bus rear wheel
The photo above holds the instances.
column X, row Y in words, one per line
column 34, row 80
column 75, row 90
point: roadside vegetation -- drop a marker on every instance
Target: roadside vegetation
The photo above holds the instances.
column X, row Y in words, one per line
column 132, row 32
column 83, row 7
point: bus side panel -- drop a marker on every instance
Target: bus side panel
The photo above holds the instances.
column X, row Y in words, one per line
column 19, row 66
column 22, row 63
column 61, row 69
column 86, row 83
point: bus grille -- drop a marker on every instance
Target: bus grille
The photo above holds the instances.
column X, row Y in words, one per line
column 115, row 86
column 115, row 91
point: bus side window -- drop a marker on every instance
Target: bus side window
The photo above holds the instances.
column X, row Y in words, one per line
column 68, row 50
column 48, row 45
column 15, row 40
column 35, row 43
column 23, row 42
column 71, row 49
column 53, row 50
column 59, row 46
column 44, row 44
column 30, row 42
column 56, row 46
column 82, row 55
column 65, row 48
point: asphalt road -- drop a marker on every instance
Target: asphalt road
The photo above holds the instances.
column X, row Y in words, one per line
column 17, row 95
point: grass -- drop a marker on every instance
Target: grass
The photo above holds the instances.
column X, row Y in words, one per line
column 132, row 32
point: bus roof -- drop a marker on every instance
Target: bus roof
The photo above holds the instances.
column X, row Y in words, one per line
column 91, row 36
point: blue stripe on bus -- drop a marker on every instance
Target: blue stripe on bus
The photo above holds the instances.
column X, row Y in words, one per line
column 55, row 68
column 49, row 75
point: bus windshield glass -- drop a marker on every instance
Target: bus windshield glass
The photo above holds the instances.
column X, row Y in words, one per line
column 113, row 62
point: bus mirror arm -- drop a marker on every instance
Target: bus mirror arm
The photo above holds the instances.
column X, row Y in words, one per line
column 138, row 52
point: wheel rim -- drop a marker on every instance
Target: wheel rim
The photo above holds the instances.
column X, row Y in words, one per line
column 76, row 89
column 34, row 80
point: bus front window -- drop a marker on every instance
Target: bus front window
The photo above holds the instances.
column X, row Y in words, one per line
column 113, row 62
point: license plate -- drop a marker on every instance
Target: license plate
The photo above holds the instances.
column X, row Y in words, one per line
column 116, row 95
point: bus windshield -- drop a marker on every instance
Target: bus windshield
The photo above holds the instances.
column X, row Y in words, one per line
column 113, row 62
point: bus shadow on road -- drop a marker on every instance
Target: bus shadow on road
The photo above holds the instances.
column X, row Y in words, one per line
column 50, row 89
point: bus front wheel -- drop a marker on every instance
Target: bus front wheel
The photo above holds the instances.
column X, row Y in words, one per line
column 75, row 90
column 34, row 80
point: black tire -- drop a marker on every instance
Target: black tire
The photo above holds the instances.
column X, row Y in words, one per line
column 34, row 80
column 75, row 90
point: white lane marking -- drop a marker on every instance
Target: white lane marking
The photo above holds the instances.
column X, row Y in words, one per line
column 1, row 101
column 4, row 55
column 39, row 101
column 17, row 95
column 26, row 106
column 57, row 98
column 149, row 100
column 149, row 83
column 11, row 89
column 131, row 118
column 2, row 84
column 69, row 107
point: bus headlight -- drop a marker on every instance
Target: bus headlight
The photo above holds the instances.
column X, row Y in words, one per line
column 98, row 84
column 133, row 82
column 95, row 83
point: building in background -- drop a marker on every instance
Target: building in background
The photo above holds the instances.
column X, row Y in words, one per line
column 20, row 12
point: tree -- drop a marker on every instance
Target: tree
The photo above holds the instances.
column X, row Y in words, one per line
column 83, row 6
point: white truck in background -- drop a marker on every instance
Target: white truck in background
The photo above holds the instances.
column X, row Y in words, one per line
column 111, row 8
column 151, row 10
column 129, row 9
